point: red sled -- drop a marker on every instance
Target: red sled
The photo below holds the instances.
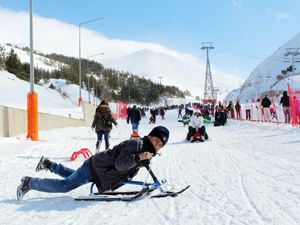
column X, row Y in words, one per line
column 197, row 137
column 84, row 151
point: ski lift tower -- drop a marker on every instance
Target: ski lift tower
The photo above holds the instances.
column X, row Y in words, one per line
column 209, row 91
column 293, row 52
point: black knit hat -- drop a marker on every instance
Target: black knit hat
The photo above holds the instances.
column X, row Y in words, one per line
column 162, row 133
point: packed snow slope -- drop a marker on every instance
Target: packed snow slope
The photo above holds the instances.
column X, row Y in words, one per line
column 248, row 173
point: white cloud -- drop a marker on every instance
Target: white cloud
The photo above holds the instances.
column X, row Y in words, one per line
column 51, row 35
column 282, row 16
column 236, row 3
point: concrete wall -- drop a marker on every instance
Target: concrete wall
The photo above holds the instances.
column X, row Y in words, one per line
column 88, row 112
column 14, row 121
column 1, row 122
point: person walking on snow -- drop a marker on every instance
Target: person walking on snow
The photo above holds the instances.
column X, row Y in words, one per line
column 102, row 124
column 285, row 101
column 134, row 116
column 107, row 168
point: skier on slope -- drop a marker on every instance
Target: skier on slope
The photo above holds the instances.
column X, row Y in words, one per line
column 107, row 168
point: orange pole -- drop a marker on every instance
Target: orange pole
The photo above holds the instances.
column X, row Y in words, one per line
column 32, row 116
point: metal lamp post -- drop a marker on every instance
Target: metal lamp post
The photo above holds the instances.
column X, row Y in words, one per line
column 79, row 28
column 89, row 89
column 32, row 97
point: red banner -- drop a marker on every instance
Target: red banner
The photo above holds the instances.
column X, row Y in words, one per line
column 295, row 105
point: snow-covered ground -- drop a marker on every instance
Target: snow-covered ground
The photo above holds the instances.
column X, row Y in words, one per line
column 249, row 173
column 13, row 93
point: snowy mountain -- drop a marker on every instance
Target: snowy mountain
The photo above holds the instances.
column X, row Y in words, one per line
column 185, row 74
column 264, row 76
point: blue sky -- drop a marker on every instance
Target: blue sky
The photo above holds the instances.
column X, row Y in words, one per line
column 243, row 32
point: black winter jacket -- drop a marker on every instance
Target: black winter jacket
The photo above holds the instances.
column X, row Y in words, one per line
column 120, row 163
column 266, row 103
column 134, row 115
column 285, row 101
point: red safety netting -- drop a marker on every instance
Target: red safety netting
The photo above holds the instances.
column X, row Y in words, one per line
column 294, row 95
column 122, row 110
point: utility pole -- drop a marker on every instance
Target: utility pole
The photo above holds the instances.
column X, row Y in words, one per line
column 293, row 52
column 209, row 92
column 88, row 75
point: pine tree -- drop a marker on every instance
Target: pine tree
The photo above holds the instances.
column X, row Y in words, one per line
column 2, row 57
column 13, row 63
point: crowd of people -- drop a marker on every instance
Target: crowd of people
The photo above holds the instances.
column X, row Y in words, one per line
column 265, row 109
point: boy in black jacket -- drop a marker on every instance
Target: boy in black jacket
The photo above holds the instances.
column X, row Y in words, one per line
column 107, row 169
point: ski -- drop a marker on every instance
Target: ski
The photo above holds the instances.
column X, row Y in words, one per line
column 108, row 198
column 170, row 193
column 118, row 193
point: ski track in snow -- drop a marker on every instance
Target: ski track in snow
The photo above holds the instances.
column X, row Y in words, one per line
column 249, row 173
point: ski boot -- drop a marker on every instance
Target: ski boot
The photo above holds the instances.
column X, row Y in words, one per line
column 44, row 164
column 23, row 188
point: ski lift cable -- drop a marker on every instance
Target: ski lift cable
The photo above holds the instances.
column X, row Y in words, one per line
column 250, row 55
